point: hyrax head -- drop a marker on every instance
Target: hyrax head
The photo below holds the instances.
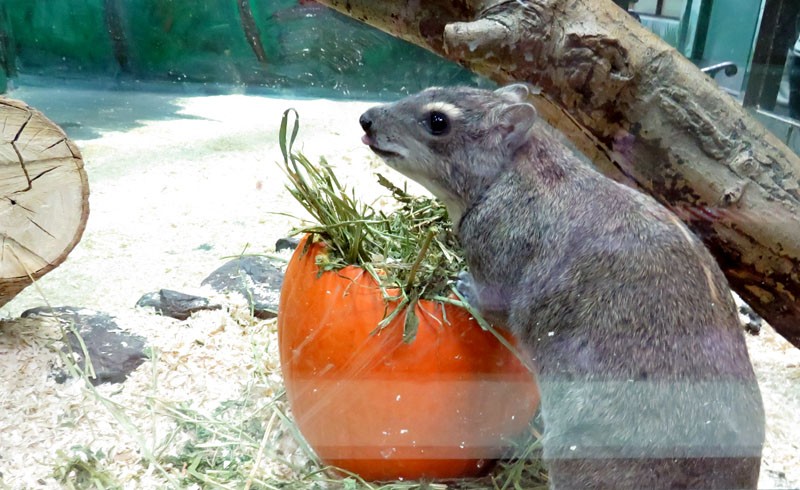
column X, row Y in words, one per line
column 454, row 141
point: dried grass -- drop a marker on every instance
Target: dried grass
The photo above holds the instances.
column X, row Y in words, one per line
column 214, row 380
column 206, row 411
column 189, row 417
column 185, row 419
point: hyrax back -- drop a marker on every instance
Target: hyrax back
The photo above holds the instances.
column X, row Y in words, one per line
column 641, row 361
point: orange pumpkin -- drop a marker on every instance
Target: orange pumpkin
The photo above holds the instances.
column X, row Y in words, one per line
column 442, row 406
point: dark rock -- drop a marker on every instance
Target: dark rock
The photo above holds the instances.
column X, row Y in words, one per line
column 752, row 322
column 114, row 352
column 255, row 278
column 288, row 243
column 175, row 304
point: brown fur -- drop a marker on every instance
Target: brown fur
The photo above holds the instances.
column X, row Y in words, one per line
column 640, row 358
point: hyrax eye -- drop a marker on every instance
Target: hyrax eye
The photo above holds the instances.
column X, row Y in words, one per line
column 438, row 123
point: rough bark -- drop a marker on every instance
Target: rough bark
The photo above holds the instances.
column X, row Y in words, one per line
column 44, row 197
column 644, row 114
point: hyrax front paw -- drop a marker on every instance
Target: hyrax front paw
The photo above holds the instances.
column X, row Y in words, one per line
column 465, row 285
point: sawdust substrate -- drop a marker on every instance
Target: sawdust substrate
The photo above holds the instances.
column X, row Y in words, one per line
column 171, row 199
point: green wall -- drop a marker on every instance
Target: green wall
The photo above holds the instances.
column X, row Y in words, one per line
column 65, row 34
column 8, row 50
column 302, row 44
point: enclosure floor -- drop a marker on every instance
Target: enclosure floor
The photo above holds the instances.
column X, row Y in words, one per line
column 180, row 184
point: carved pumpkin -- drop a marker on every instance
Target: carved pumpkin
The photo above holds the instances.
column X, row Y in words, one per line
column 443, row 406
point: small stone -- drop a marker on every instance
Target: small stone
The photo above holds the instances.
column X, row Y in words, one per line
column 287, row 243
column 175, row 304
column 256, row 278
column 751, row 320
column 114, row 352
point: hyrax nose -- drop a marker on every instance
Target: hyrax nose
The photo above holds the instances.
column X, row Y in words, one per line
column 366, row 122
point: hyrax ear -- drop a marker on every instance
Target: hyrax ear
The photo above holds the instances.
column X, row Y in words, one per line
column 517, row 91
column 515, row 121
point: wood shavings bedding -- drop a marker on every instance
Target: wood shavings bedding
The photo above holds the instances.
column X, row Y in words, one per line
column 170, row 200
column 215, row 357
column 777, row 366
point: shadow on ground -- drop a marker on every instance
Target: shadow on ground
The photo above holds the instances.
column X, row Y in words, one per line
column 85, row 111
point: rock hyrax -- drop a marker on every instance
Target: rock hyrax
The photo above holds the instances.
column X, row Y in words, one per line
column 641, row 361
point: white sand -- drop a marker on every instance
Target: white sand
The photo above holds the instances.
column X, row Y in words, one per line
column 172, row 196
column 171, row 200
column 165, row 191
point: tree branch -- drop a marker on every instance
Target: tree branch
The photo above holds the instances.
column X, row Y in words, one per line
column 644, row 114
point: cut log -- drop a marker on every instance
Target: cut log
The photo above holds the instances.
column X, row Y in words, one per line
column 45, row 196
column 644, row 114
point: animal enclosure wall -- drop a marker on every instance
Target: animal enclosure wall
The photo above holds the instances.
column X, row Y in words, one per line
column 175, row 106
column 261, row 43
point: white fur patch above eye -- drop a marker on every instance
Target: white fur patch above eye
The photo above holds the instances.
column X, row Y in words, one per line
column 446, row 108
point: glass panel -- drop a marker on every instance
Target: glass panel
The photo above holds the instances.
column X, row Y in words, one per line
column 177, row 107
column 645, row 7
column 673, row 8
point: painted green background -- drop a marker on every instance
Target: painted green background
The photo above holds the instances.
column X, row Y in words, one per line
column 306, row 46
